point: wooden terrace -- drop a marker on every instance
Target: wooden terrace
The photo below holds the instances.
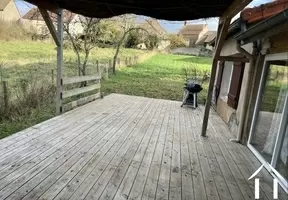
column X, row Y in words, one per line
column 128, row 147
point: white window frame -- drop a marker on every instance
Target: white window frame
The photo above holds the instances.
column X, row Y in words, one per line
column 282, row 130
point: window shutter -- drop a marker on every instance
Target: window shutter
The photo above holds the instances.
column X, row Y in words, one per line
column 219, row 79
column 235, row 85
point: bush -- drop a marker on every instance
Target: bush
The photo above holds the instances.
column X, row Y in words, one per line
column 25, row 95
column 14, row 31
column 177, row 41
column 152, row 42
column 133, row 39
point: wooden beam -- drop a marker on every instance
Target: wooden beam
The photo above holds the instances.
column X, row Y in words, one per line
column 48, row 5
column 234, row 9
column 80, row 102
column 233, row 59
column 50, row 25
column 78, row 79
column 59, row 62
column 219, row 44
column 74, row 92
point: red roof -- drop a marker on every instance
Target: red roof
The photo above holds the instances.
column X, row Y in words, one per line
column 264, row 11
column 34, row 14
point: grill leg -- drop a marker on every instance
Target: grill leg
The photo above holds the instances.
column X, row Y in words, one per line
column 194, row 100
column 185, row 96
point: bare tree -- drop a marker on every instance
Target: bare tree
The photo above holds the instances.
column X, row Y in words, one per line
column 84, row 42
column 127, row 24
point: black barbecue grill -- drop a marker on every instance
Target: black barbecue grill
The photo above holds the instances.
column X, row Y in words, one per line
column 191, row 89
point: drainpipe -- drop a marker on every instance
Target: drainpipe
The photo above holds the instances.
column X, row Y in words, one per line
column 251, row 71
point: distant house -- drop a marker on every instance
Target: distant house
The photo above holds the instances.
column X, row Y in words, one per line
column 192, row 32
column 153, row 27
column 9, row 11
column 206, row 39
column 34, row 18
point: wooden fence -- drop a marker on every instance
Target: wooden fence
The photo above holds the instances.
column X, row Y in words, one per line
column 100, row 70
column 77, row 91
column 4, row 97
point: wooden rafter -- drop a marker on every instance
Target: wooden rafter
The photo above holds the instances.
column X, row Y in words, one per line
column 224, row 22
column 234, row 59
column 50, row 25
column 222, row 33
column 234, row 9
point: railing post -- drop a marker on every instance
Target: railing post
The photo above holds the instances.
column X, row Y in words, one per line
column 106, row 76
column 59, row 61
column 5, row 95
column 52, row 76
column 98, row 68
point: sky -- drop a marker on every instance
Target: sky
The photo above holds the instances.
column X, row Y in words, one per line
column 170, row 26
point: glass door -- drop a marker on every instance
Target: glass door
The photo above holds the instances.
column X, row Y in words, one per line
column 268, row 137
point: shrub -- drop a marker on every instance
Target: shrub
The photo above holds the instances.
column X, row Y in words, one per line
column 25, row 95
column 133, row 39
column 152, row 42
column 177, row 41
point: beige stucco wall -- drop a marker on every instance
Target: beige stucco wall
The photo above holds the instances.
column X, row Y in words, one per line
column 228, row 114
column 10, row 12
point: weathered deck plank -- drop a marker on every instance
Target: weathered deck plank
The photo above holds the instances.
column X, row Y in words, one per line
column 127, row 147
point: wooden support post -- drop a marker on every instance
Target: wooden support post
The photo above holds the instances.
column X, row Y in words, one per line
column 59, row 62
column 234, row 8
column 222, row 33
column 50, row 25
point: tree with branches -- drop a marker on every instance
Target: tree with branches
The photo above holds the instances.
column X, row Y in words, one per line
column 84, row 42
column 126, row 24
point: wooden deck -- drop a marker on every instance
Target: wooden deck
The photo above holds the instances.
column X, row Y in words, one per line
column 127, row 147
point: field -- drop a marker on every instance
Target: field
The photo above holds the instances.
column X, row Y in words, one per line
column 27, row 68
column 29, row 64
column 162, row 77
column 20, row 57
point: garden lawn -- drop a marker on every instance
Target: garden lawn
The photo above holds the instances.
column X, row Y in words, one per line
column 159, row 77
column 24, row 64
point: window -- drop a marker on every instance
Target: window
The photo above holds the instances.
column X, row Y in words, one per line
column 226, row 80
column 229, row 81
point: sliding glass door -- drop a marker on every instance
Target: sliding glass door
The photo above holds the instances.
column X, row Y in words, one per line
column 268, row 137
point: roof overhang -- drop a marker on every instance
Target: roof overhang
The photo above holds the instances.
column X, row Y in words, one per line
column 266, row 28
column 168, row 10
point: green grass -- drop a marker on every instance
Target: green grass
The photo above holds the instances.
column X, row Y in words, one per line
column 160, row 77
column 35, row 61
column 25, row 52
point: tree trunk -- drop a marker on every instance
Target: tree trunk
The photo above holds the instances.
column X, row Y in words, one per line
column 115, row 58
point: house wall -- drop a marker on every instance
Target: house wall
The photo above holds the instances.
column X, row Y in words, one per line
column 41, row 28
column 10, row 12
column 75, row 25
column 229, row 115
column 38, row 25
column 203, row 32
column 278, row 43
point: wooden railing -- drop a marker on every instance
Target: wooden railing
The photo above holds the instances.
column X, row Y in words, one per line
column 81, row 90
